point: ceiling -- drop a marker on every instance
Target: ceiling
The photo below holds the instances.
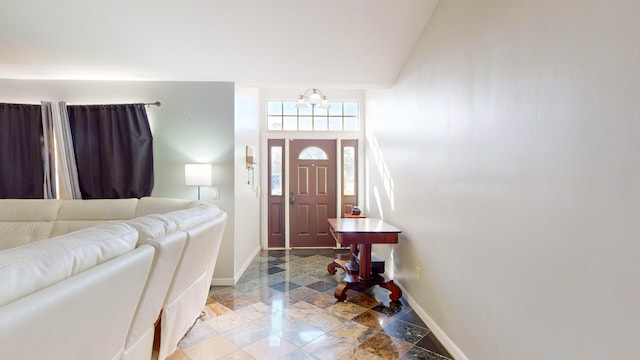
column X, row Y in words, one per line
column 337, row 43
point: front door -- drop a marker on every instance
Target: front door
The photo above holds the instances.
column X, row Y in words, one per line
column 312, row 197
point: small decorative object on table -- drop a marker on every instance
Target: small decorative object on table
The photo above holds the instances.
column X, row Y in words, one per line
column 355, row 210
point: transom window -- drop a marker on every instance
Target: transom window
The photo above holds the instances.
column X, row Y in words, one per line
column 282, row 115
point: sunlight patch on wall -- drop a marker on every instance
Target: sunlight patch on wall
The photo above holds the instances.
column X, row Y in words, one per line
column 391, row 270
column 376, row 195
column 383, row 170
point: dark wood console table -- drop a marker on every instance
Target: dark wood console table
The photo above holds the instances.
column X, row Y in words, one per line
column 360, row 234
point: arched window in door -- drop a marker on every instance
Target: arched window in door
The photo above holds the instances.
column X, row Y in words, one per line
column 312, row 153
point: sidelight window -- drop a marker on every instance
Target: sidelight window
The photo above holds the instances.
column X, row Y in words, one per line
column 349, row 170
column 276, row 170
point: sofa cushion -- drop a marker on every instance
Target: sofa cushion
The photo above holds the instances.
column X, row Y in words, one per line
column 149, row 227
column 85, row 316
column 26, row 220
column 196, row 215
column 13, row 234
column 154, row 205
column 80, row 214
column 99, row 209
column 49, row 261
column 29, row 209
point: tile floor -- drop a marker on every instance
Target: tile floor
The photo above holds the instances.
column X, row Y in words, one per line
column 283, row 308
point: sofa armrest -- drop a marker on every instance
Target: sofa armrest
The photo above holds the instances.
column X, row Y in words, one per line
column 85, row 316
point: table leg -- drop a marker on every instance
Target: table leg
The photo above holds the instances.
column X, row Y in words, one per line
column 341, row 290
column 365, row 262
column 331, row 268
column 396, row 292
column 334, row 265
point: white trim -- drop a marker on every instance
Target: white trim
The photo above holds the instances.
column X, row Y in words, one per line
column 287, row 209
column 246, row 264
column 222, row 282
column 233, row 281
column 445, row 340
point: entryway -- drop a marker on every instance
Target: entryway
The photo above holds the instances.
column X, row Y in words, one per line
column 303, row 188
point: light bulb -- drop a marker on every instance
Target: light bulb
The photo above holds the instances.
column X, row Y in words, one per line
column 315, row 98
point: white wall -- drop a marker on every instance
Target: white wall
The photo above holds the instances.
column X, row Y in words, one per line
column 194, row 124
column 247, row 201
column 510, row 146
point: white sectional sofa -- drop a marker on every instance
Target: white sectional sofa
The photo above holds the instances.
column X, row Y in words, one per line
column 103, row 279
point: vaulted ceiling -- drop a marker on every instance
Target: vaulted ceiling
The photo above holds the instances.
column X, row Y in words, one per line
column 339, row 43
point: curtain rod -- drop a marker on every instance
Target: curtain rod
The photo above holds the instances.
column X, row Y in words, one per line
column 157, row 103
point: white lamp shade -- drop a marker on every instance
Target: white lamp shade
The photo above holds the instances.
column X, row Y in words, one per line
column 302, row 103
column 197, row 174
column 324, row 104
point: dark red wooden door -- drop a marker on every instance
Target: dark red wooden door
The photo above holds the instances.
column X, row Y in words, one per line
column 312, row 186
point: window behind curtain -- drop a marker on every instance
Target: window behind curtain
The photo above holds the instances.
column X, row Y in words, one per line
column 21, row 151
column 114, row 150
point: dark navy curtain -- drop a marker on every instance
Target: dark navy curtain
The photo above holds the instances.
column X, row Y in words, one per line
column 114, row 150
column 21, row 152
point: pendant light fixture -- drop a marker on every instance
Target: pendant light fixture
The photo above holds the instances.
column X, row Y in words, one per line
column 315, row 97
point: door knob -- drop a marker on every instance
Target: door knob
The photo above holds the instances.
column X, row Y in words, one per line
column 292, row 199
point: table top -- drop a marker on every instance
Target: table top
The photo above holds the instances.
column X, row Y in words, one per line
column 361, row 225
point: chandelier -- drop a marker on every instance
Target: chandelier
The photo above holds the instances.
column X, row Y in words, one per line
column 315, row 97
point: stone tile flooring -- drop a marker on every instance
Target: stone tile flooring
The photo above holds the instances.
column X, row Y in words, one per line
column 283, row 308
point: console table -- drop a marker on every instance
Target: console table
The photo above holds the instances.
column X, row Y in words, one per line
column 360, row 234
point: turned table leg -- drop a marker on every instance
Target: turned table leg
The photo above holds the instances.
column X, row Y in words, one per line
column 396, row 292
column 332, row 268
column 341, row 290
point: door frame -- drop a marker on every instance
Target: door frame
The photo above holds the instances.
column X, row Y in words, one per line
column 264, row 235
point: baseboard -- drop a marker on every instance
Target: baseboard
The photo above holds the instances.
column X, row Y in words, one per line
column 246, row 264
column 433, row 326
column 222, row 282
column 232, row 281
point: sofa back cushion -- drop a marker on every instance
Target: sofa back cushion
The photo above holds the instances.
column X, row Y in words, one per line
column 80, row 214
column 29, row 268
column 26, row 220
column 156, row 205
column 168, row 252
column 149, row 228
column 197, row 214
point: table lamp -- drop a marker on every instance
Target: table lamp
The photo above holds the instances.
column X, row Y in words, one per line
column 197, row 175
